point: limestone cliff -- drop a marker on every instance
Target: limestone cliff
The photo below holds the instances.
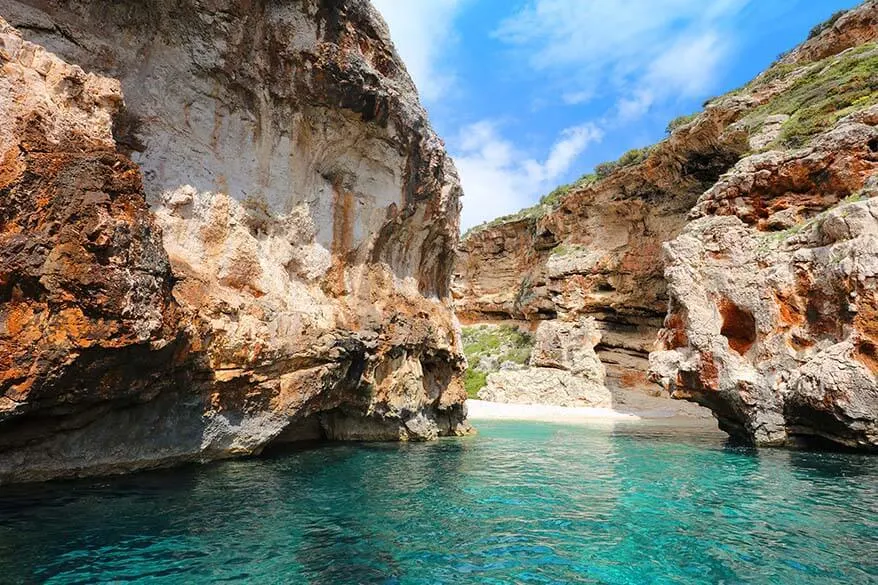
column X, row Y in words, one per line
column 737, row 243
column 221, row 226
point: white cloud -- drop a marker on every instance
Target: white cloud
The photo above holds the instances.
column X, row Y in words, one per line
column 689, row 65
column 635, row 105
column 421, row 31
column 499, row 179
column 577, row 97
column 646, row 50
column 642, row 53
column 564, row 152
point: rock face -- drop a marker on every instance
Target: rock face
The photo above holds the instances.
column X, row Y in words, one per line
column 563, row 370
column 741, row 248
column 535, row 385
column 775, row 330
column 219, row 228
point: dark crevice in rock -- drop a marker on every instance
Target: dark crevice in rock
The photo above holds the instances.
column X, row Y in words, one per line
column 738, row 326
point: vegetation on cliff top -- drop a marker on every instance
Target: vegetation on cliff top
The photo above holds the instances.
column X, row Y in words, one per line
column 820, row 94
column 826, row 24
column 827, row 91
column 497, row 344
column 680, row 121
column 551, row 200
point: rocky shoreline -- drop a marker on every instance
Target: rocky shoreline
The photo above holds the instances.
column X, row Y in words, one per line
column 229, row 226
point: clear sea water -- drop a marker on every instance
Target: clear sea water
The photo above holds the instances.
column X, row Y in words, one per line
column 519, row 503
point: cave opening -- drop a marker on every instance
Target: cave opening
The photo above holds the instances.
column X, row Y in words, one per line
column 739, row 326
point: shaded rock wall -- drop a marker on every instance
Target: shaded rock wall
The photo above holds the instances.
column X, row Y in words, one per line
column 221, row 226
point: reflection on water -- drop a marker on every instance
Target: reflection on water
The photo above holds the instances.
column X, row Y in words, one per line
column 520, row 503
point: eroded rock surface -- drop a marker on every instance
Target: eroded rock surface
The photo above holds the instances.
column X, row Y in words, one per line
column 221, row 227
column 775, row 330
column 534, row 385
column 598, row 253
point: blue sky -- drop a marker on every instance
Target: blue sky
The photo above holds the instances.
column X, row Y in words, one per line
column 530, row 94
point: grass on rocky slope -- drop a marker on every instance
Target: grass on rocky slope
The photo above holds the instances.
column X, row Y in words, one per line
column 824, row 92
column 680, row 121
column 499, row 343
column 550, row 201
column 829, row 90
column 566, row 249
column 474, row 380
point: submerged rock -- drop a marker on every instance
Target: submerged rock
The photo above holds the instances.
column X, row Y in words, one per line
column 219, row 228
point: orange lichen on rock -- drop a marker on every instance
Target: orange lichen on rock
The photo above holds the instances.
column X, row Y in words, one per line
column 789, row 307
column 673, row 335
column 738, row 325
column 866, row 323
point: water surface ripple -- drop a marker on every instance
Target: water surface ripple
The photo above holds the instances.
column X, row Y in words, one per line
column 519, row 503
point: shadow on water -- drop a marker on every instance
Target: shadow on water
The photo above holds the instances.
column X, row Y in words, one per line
column 350, row 536
column 739, row 446
column 811, row 458
column 82, row 518
column 833, row 464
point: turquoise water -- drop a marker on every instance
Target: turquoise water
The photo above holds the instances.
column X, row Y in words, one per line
column 520, row 503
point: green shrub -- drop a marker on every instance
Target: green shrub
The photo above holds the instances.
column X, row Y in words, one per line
column 474, row 380
column 560, row 250
column 480, row 340
column 499, row 341
column 826, row 24
column 565, row 249
column 554, row 197
column 585, row 180
column 504, row 343
column 679, row 121
column 605, row 169
column 634, row 156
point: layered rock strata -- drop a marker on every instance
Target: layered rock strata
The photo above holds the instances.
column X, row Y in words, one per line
column 598, row 253
column 220, row 227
